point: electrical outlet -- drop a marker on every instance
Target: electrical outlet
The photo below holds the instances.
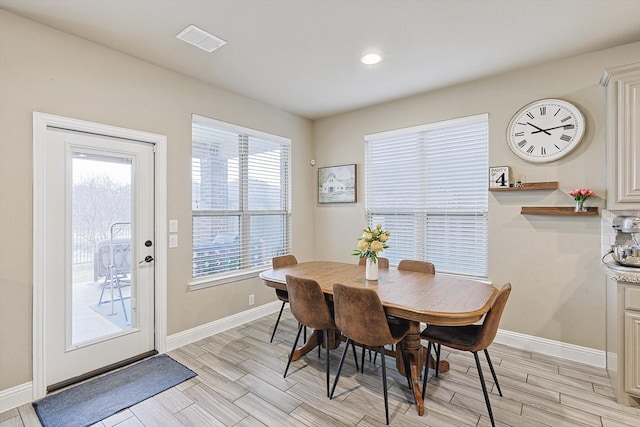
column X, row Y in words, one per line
column 252, row 299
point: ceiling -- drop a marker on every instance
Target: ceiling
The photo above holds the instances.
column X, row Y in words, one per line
column 303, row 56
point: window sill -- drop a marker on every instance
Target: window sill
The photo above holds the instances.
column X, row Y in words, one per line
column 223, row 279
column 484, row 280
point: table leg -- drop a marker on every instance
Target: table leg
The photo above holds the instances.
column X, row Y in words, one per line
column 416, row 355
column 313, row 340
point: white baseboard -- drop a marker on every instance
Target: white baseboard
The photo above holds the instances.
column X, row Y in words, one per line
column 19, row 395
column 572, row 352
column 16, row 396
column 545, row 346
column 199, row 332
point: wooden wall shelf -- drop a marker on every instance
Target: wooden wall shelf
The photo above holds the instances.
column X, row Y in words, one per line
column 557, row 210
column 527, row 186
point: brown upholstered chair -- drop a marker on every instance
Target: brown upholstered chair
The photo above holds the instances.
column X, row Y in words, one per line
column 418, row 266
column 410, row 265
column 471, row 338
column 278, row 262
column 382, row 262
column 360, row 316
column 310, row 308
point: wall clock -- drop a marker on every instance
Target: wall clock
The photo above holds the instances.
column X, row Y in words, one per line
column 545, row 130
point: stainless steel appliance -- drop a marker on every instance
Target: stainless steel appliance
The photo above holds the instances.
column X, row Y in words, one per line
column 626, row 250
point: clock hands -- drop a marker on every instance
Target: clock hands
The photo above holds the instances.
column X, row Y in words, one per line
column 545, row 130
column 539, row 129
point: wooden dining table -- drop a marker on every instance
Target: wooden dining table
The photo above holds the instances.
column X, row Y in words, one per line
column 437, row 299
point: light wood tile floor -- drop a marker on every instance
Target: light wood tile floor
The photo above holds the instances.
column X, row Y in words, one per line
column 240, row 383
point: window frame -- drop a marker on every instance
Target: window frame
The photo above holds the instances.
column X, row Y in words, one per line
column 374, row 213
column 243, row 212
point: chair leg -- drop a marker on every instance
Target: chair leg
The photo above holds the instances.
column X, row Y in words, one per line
column 326, row 340
column 438, row 348
column 426, row 370
column 407, row 367
column 355, row 356
column 362, row 360
column 384, row 384
column 484, row 388
column 124, row 311
column 344, row 353
column 293, row 349
column 278, row 321
column 493, row 372
column 104, row 285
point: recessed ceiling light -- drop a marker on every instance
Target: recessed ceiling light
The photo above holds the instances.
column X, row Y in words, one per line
column 200, row 38
column 371, row 58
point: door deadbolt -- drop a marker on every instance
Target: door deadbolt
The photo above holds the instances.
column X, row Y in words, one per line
column 148, row 243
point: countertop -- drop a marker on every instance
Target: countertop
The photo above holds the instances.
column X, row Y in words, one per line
column 621, row 273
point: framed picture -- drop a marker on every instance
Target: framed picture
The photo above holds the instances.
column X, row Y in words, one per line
column 337, row 184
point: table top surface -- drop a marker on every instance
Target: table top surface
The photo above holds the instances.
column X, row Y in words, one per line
column 430, row 298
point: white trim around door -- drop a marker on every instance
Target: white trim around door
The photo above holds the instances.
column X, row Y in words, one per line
column 41, row 122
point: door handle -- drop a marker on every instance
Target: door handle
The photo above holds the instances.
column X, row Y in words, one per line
column 148, row 258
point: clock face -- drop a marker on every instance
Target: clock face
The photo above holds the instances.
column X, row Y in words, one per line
column 545, row 130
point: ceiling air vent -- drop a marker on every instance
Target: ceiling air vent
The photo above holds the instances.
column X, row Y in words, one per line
column 200, row 38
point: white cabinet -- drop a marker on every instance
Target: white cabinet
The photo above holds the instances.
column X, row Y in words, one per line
column 623, row 337
column 623, row 136
column 632, row 353
column 632, row 340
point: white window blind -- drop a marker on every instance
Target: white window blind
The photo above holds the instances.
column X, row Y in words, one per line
column 428, row 186
column 240, row 198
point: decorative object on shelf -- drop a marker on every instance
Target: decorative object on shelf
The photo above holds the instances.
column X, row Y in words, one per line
column 545, row 130
column 337, row 184
column 500, row 177
column 371, row 243
column 580, row 195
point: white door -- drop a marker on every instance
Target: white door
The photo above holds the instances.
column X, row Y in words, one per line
column 98, row 252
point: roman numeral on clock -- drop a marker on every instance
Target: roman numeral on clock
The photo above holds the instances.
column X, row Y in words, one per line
column 567, row 127
column 519, row 134
column 543, row 151
column 522, row 143
column 530, row 149
column 543, row 111
column 566, row 138
column 565, row 119
column 530, row 115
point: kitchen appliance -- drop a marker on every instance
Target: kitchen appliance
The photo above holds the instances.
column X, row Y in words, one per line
column 626, row 250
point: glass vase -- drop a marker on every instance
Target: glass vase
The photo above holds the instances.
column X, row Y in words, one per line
column 371, row 272
column 580, row 206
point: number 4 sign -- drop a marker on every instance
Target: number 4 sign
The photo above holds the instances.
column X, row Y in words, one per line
column 499, row 176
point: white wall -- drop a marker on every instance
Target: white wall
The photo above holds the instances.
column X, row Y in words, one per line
column 45, row 70
column 552, row 262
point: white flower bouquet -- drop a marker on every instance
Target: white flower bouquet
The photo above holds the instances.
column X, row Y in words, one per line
column 372, row 242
